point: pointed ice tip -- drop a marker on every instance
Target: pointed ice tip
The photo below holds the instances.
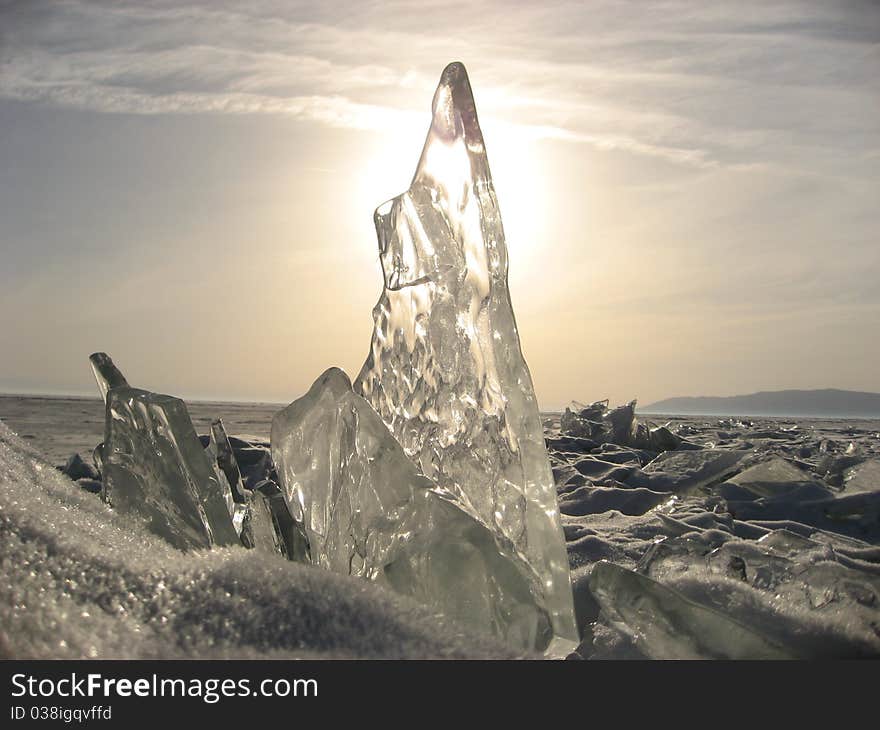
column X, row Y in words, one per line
column 334, row 378
column 453, row 72
column 107, row 375
column 454, row 110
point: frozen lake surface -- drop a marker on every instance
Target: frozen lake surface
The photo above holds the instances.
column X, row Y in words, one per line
column 756, row 537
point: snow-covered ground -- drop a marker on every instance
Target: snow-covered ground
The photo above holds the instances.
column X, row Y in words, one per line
column 753, row 538
column 76, row 581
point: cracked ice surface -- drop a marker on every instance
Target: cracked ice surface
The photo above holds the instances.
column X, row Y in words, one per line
column 745, row 542
column 445, row 369
column 369, row 512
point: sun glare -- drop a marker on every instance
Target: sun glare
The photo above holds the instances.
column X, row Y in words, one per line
column 514, row 159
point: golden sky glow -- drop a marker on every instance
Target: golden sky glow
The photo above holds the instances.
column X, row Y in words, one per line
column 689, row 191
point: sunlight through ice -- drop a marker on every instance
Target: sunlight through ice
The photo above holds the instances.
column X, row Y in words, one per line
column 445, row 369
column 369, row 512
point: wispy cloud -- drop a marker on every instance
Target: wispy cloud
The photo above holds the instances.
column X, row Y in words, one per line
column 687, row 82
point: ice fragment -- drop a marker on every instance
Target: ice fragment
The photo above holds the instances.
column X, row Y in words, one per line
column 154, row 467
column 369, row 512
column 445, row 369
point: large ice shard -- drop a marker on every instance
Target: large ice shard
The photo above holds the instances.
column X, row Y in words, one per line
column 154, row 467
column 369, row 512
column 445, row 369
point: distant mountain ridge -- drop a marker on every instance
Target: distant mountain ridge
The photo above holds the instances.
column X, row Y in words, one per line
column 829, row 402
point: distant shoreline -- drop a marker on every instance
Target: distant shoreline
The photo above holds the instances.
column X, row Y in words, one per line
column 657, row 415
column 817, row 403
column 799, row 417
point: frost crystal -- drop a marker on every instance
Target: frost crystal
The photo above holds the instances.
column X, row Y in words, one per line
column 445, row 369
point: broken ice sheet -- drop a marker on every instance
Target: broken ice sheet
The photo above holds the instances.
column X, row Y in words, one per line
column 445, row 370
column 615, row 425
column 369, row 512
column 154, row 467
column 798, row 592
column 666, row 625
column 864, row 477
column 689, row 471
column 774, row 477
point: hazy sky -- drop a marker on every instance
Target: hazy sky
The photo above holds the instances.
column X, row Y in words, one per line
column 690, row 190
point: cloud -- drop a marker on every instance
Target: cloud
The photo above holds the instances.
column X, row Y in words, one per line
column 673, row 80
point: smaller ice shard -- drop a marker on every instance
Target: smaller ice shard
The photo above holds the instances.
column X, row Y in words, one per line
column 225, row 468
column 585, row 421
column 287, row 537
column 98, row 457
column 615, row 425
column 255, row 463
column 154, row 467
column 835, row 467
column 734, row 423
column 369, row 512
column 77, row 469
column 661, row 438
column 593, row 412
column 598, row 421
column 107, row 375
column 664, row 624
column 623, row 424
column 260, row 516
column 226, row 460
